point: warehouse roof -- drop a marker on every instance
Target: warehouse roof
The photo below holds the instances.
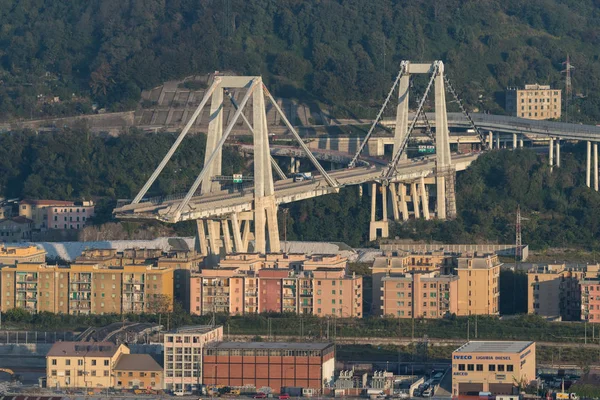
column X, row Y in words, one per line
column 269, row 345
column 493, row 347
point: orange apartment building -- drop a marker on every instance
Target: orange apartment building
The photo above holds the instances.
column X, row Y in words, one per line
column 85, row 288
column 12, row 255
column 558, row 291
column 398, row 263
column 420, row 294
column 255, row 287
column 433, row 284
column 478, row 285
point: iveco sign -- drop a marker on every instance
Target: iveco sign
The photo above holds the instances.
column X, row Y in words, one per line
column 463, row 357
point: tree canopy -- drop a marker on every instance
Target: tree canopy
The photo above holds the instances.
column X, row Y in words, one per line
column 344, row 52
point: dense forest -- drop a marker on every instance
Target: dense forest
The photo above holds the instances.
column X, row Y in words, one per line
column 341, row 52
column 74, row 164
column 560, row 210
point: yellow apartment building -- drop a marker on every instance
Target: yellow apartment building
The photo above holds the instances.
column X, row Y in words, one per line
column 82, row 364
column 11, row 255
column 478, row 285
column 534, row 102
column 86, row 288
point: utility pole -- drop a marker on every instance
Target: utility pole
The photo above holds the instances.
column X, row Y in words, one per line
column 568, row 87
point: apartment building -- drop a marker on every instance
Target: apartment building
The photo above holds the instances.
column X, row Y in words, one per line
column 420, row 294
column 398, row 263
column 16, row 229
column 534, row 102
column 295, row 261
column 555, row 290
column 86, row 288
column 183, row 364
column 38, row 211
column 590, row 300
column 243, row 290
column 73, row 216
column 82, row 364
column 12, row 255
column 478, row 285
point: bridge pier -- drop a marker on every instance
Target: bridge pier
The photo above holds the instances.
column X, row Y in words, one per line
column 514, row 140
column 596, row 167
column 498, row 141
column 551, row 154
column 490, row 140
column 375, row 227
column 588, row 168
column 521, row 144
column 558, row 152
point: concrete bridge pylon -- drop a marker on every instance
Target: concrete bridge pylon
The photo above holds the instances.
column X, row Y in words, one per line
column 445, row 173
column 232, row 232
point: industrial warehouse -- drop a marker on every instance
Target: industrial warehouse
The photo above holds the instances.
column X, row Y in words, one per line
column 495, row 367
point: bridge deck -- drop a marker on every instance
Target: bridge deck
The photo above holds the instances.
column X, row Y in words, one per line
column 222, row 203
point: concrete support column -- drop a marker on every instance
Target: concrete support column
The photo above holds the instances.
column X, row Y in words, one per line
column 237, row 234
column 498, row 141
column 490, row 140
column 384, row 202
column 201, row 246
column 214, row 236
column 226, row 237
column 293, row 165
column 558, row 152
column 424, row 199
column 394, row 196
column 596, row 167
column 414, row 195
column 514, row 140
column 403, row 202
column 588, row 169
column 297, row 165
column 373, row 200
column 521, row 144
column 551, row 154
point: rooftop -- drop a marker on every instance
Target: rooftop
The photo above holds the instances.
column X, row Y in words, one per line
column 493, row 347
column 137, row 362
column 269, row 345
column 88, row 349
column 195, row 329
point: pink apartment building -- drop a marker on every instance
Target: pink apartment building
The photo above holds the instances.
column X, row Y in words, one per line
column 73, row 216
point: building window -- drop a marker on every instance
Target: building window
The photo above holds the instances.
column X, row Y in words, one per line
column 80, row 362
column 470, row 367
column 54, row 361
column 105, row 373
column 509, row 368
column 93, row 362
column 67, row 362
column 93, row 372
column 461, row 367
column 479, row 367
column 500, row 367
column 53, row 372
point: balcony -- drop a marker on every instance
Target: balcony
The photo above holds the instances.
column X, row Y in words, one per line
column 306, row 293
column 251, row 293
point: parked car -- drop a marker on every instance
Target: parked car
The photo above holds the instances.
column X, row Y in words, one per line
column 260, row 396
column 284, row 396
